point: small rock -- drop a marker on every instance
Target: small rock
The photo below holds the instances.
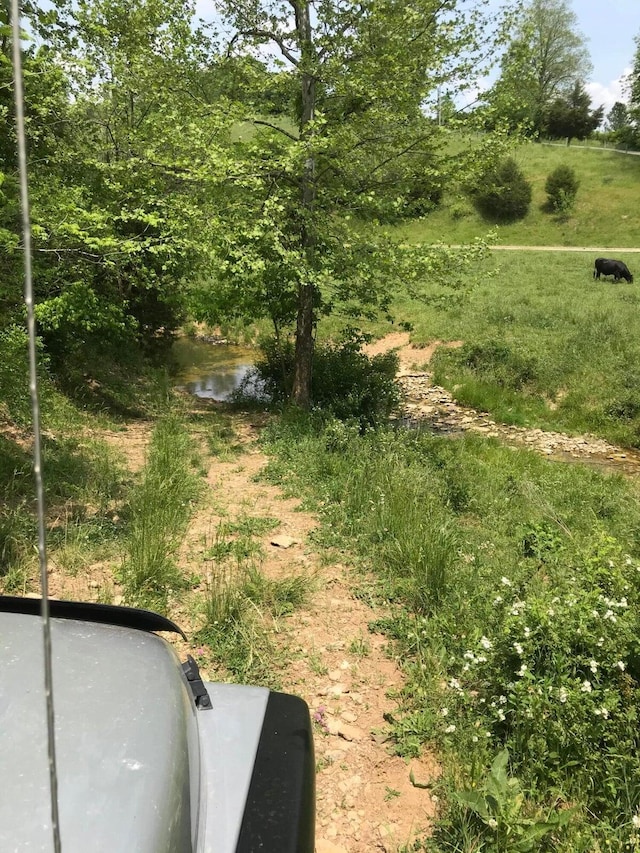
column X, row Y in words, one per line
column 337, row 689
column 284, row 541
column 349, row 717
column 335, row 674
column 344, row 730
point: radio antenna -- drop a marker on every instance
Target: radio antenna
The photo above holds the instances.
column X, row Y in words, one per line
column 35, row 409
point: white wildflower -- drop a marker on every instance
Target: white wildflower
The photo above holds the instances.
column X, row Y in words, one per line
column 586, row 687
column 593, row 666
column 454, row 684
column 486, row 643
column 492, row 822
column 505, row 581
column 444, row 712
column 469, row 655
column 551, row 612
column 635, row 820
column 527, row 631
column 475, row 739
column 600, row 642
column 518, row 648
column 497, row 600
column 605, row 713
column 502, row 700
column 562, row 695
column 628, row 560
column 522, row 670
column 595, row 614
column 450, row 729
column 621, row 665
column 501, row 715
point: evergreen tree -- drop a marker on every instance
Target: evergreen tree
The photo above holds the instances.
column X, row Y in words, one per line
column 571, row 116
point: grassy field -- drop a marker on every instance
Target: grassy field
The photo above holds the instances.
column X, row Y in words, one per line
column 604, row 214
column 546, row 344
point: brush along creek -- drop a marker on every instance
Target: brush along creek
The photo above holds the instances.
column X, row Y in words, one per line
column 366, row 799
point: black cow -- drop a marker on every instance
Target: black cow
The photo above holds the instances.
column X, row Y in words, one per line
column 617, row 269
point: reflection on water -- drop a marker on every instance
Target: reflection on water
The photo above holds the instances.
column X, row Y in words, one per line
column 212, row 371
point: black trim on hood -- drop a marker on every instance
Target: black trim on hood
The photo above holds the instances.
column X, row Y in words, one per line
column 106, row 614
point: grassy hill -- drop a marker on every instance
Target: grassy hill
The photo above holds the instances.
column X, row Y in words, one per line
column 605, row 213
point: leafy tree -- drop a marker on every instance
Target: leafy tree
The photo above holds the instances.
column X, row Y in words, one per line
column 354, row 145
column 123, row 176
column 571, row 116
column 630, row 135
column 618, row 117
column 544, row 57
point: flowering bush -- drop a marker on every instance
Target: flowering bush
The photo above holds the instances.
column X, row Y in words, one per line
column 557, row 681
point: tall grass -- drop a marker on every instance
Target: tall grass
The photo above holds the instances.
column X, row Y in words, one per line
column 512, row 582
column 160, row 507
column 242, row 606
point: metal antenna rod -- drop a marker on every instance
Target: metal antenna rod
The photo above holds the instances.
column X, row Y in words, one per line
column 35, row 407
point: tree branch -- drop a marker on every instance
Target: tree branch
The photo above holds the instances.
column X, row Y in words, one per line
column 269, row 36
column 273, row 127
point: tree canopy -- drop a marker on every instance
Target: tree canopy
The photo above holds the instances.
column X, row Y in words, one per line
column 173, row 171
column 543, row 59
column 353, row 147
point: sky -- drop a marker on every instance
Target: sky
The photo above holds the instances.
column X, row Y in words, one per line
column 610, row 27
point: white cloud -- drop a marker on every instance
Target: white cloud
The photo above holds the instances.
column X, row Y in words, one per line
column 608, row 94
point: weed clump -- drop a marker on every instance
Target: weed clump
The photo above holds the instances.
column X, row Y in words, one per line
column 346, row 383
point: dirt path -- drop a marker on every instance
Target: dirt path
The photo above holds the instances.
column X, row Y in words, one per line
column 365, row 799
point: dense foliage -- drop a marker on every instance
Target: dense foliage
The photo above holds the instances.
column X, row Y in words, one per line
column 561, row 187
column 346, row 383
column 544, row 57
column 503, row 194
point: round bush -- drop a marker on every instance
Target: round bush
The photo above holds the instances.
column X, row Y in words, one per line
column 503, row 193
column 561, row 187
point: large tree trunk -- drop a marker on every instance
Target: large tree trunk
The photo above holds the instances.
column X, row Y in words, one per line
column 305, row 322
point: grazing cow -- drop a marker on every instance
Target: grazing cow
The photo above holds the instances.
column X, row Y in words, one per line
column 617, row 269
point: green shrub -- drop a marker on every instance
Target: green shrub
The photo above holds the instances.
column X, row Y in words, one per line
column 561, row 187
column 346, row 383
column 14, row 375
column 503, row 193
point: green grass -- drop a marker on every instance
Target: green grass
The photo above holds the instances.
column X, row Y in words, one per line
column 570, row 345
column 489, row 558
column 603, row 214
column 242, row 606
column 159, row 508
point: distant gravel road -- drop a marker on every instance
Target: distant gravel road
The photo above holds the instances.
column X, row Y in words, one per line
column 609, row 250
